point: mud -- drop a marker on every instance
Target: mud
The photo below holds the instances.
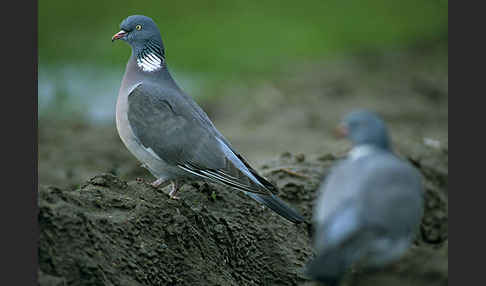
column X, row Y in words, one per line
column 113, row 232
column 100, row 226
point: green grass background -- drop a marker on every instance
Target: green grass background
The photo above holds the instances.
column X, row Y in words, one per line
column 238, row 37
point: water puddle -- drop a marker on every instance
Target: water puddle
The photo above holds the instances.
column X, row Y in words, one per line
column 90, row 91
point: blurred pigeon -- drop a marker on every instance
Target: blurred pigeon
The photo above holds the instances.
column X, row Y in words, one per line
column 169, row 133
column 370, row 205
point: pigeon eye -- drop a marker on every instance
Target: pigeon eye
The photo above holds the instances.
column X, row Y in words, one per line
column 138, row 27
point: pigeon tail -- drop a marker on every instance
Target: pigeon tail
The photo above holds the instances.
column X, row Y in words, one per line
column 328, row 267
column 278, row 206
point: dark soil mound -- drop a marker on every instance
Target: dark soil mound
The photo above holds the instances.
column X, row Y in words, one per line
column 110, row 232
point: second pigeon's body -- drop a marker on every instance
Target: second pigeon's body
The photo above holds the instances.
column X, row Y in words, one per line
column 169, row 133
column 369, row 208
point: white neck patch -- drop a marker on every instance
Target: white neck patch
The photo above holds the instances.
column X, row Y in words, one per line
column 361, row 151
column 150, row 62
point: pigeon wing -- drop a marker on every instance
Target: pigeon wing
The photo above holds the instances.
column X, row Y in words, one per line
column 175, row 131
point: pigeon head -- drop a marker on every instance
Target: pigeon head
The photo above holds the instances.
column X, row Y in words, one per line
column 142, row 34
column 363, row 127
column 137, row 30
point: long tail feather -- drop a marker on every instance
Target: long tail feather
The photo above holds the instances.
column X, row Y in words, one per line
column 327, row 267
column 278, row 206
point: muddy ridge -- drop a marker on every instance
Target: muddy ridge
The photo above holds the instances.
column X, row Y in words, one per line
column 112, row 232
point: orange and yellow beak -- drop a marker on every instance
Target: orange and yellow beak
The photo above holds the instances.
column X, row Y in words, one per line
column 119, row 35
column 341, row 131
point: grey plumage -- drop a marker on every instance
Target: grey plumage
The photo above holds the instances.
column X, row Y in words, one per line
column 370, row 205
column 169, row 133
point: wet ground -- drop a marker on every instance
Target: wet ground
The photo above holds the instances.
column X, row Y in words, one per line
column 99, row 226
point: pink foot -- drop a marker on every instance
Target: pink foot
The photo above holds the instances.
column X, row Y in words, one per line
column 175, row 188
column 159, row 182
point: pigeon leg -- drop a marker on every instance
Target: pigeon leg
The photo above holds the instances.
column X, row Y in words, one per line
column 176, row 186
column 160, row 182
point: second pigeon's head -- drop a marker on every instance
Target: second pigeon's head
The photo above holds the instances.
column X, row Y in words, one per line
column 363, row 127
column 139, row 31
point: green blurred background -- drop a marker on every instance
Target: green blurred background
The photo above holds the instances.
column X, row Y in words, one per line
column 211, row 42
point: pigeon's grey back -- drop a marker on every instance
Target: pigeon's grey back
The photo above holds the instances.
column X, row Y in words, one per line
column 369, row 208
column 381, row 178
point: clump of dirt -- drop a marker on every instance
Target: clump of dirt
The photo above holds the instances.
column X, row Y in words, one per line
column 111, row 232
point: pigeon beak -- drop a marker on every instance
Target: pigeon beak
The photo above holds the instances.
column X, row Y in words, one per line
column 118, row 35
column 341, row 131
